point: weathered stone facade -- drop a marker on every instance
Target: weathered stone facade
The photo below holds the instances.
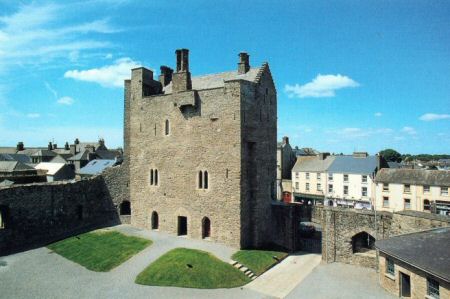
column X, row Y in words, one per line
column 222, row 124
column 37, row 214
column 117, row 180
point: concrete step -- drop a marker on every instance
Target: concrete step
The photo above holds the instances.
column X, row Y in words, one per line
column 232, row 263
column 243, row 269
column 254, row 277
column 248, row 272
column 237, row 265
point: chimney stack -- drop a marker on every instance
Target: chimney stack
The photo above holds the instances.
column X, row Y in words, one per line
column 323, row 156
column 244, row 63
column 55, row 146
column 66, row 146
column 50, row 146
column 166, row 75
column 181, row 80
column 20, row 146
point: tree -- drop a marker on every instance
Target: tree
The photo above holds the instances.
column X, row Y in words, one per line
column 391, row 155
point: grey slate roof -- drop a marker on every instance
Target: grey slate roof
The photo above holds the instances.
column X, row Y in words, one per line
column 96, row 166
column 15, row 157
column 313, row 164
column 11, row 166
column 107, row 154
column 43, row 153
column 6, row 183
column 427, row 250
column 81, row 156
column 414, row 177
column 350, row 164
column 217, row 80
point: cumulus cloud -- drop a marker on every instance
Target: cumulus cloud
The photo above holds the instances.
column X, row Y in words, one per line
column 409, row 130
column 354, row 132
column 107, row 76
column 33, row 115
column 65, row 101
column 434, row 116
column 378, row 114
column 320, row 87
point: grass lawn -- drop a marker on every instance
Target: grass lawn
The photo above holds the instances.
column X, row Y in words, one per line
column 257, row 260
column 190, row 268
column 99, row 250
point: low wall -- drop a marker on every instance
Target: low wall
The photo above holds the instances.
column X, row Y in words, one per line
column 40, row 213
column 117, row 180
column 285, row 226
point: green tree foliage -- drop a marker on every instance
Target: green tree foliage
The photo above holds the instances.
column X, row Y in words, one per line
column 391, row 155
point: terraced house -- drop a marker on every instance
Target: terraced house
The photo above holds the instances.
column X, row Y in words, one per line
column 202, row 151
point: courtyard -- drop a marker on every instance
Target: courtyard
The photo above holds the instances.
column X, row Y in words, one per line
column 41, row 273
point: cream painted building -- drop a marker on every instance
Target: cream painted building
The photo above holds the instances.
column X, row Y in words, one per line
column 413, row 189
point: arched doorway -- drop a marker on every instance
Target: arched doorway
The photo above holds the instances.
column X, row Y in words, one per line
column 206, row 228
column 125, row 208
column 155, row 220
column 363, row 242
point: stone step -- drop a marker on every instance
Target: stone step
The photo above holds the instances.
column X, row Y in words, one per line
column 232, row 263
column 248, row 272
column 237, row 265
column 243, row 269
column 254, row 277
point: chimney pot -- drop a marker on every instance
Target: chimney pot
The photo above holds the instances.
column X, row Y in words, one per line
column 181, row 80
column 20, row 146
column 50, row 146
column 166, row 75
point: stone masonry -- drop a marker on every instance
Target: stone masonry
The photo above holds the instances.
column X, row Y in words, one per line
column 223, row 124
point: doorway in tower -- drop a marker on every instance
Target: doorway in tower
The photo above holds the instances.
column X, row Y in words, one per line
column 182, row 225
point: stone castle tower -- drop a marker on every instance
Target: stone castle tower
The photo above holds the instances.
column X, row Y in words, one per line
column 202, row 151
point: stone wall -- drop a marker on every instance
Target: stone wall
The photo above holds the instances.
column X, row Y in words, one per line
column 339, row 225
column 45, row 212
column 285, row 226
column 117, row 180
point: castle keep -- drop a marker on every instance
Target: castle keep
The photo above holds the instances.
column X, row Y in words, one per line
column 202, row 151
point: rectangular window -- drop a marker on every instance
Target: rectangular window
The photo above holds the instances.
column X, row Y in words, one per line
column 319, row 187
column 307, row 175
column 330, row 177
column 307, row 187
column 318, row 176
column 364, row 191
column 364, row 178
column 407, row 204
column 426, row 189
column 345, row 190
column 296, row 185
column 296, row 175
column 432, row 288
column 407, row 189
column 346, row 178
column 444, row 191
column 390, row 267
column 330, row 188
column 385, row 202
column 385, row 187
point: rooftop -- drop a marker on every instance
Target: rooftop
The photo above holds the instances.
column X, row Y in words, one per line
column 52, row 168
column 312, row 163
column 11, row 166
column 96, row 166
column 354, row 165
column 427, row 251
column 414, row 177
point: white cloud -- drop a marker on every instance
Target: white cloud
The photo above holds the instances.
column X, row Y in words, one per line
column 65, row 101
column 107, row 76
column 409, row 130
column 354, row 132
column 433, row 116
column 108, row 56
column 33, row 115
column 34, row 35
column 378, row 114
column 321, row 86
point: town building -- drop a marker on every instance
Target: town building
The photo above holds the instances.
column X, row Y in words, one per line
column 416, row 265
column 202, row 151
column 413, row 189
column 19, row 173
column 56, row 171
column 95, row 167
column 285, row 161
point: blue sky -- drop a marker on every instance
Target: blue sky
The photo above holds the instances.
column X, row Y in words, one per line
column 350, row 75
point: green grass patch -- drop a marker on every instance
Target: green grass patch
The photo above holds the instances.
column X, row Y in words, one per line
column 258, row 260
column 100, row 250
column 190, row 268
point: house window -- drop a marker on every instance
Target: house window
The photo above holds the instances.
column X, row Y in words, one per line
column 345, row 190
column 390, row 267
column 364, row 191
column 364, row 178
column 330, row 177
column 167, row 127
column 444, row 191
column 385, row 202
column 318, row 176
column 407, row 189
column 296, row 175
column 426, row 189
column 296, row 186
column 426, row 205
column 319, row 187
column 330, row 188
column 154, row 177
column 307, row 175
column 432, row 288
column 307, row 187
column 385, row 187
column 346, row 178
column 407, row 204
column 203, row 180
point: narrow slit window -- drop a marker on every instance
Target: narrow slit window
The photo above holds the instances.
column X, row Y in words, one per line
column 151, row 177
column 167, row 127
column 200, row 179
column 156, row 177
column 205, row 180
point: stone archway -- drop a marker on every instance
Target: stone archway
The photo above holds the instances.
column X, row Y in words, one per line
column 155, row 220
column 363, row 242
column 206, row 228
